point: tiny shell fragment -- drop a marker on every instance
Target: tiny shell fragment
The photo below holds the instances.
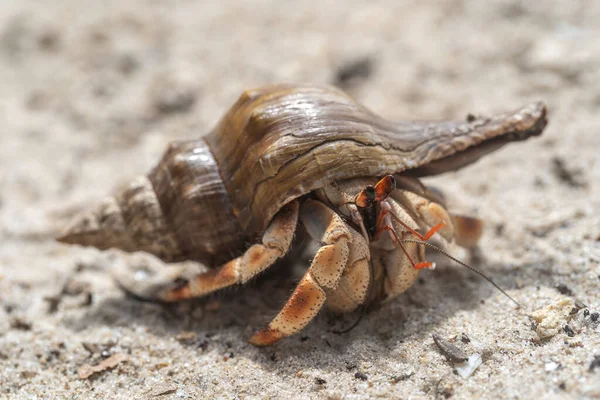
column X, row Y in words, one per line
column 86, row 370
column 162, row 389
column 552, row 318
column 466, row 369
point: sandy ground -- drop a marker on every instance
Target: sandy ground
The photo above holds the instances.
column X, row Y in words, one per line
column 91, row 92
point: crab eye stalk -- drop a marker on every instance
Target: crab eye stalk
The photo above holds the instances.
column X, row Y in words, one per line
column 366, row 197
column 384, row 187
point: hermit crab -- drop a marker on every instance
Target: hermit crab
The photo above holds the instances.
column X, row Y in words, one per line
column 291, row 157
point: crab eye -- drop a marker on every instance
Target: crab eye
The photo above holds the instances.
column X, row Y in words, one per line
column 385, row 187
column 370, row 192
column 392, row 182
column 366, row 197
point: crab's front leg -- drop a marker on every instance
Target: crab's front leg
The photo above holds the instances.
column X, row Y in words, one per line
column 324, row 274
column 354, row 284
column 406, row 215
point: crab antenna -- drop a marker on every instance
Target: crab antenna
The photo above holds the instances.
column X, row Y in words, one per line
column 487, row 278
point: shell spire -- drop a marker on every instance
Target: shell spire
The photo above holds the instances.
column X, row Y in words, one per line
column 179, row 211
column 131, row 221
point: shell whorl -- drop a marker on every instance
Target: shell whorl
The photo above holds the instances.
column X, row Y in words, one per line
column 279, row 142
column 208, row 197
column 181, row 210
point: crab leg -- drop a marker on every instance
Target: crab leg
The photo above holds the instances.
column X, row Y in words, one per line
column 383, row 221
column 325, row 271
column 425, row 211
column 467, row 230
column 384, row 224
column 400, row 271
column 275, row 243
column 353, row 287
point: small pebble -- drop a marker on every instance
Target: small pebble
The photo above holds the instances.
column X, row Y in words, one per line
column 202, row 344
column 595, row 363
column 450, row 351
column 563, row 289
column 24, row 325
column 28, row 374
column 186, row 337
column 551, row 366
column 594, row 317
column 170, row 96
column 572, row 176
column 403, row 377
column 359, row 69
column 162, row 389
column 361, row 376
column 568, row 331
